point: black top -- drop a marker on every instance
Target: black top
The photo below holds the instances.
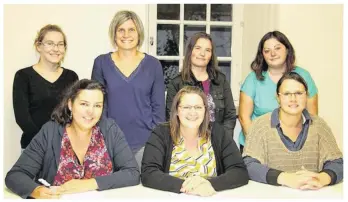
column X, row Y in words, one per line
column 230, row 167
column 220, row 90
column 34, row 99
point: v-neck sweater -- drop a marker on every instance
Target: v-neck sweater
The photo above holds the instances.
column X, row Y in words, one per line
column 34, row 99
column 135, row 102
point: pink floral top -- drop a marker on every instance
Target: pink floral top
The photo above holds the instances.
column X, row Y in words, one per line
column 96, row 162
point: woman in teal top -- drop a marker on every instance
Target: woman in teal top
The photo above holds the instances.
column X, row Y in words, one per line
column 275, row 56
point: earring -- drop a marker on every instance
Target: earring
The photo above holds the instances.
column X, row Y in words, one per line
column 70, row 116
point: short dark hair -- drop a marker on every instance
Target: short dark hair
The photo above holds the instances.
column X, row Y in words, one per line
column 213, row 65
column 61, row 114
column 259, row 64
column 293, row 76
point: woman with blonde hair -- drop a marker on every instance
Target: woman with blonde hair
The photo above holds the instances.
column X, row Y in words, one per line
column 37, row 89
column 133, row 80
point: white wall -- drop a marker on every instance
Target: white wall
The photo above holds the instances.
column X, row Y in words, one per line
column 316, row 32
column 258, row 20
column 86, row 28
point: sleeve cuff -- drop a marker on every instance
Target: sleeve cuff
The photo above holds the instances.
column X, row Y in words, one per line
column 332, row 175
column 272, row 176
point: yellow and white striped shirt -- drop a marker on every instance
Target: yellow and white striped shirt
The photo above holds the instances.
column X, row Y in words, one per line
column 184, row 165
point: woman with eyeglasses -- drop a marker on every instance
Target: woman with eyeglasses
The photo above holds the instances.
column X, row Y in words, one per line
column 133, row 80
column 275, row 56
column 201, row 69
column 37, row 89
column 291, row 147
column 187, row 156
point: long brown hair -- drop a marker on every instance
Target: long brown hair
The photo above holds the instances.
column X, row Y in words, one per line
column 213, row 65
column 259, row 64
column 204, row 128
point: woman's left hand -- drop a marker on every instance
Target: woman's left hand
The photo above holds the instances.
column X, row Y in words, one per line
column 78, row 185
column 318, row 180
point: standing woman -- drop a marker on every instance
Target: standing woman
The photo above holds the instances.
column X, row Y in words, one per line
column 200, row 69
column 134, row 82
column 275, row 56
column 37, row 89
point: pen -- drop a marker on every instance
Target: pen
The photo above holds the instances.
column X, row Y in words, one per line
column 44, row 182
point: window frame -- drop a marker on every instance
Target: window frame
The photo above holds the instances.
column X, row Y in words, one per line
column 237, row 25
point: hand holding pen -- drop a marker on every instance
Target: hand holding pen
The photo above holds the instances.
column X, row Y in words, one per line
column 45, row 192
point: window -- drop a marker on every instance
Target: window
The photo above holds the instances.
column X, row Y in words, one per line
column 171, row 25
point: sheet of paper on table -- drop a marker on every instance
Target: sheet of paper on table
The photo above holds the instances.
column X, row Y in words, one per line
column 85, row 195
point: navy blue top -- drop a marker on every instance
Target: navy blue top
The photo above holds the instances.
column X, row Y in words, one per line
column 136, row 102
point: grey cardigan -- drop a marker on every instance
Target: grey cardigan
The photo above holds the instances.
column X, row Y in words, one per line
column 41, row 159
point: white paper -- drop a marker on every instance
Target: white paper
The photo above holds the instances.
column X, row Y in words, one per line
column 84, row 195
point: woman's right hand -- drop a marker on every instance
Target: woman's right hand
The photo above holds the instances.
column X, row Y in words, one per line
column 197, row 185
column 42, row 192
column 293, row 180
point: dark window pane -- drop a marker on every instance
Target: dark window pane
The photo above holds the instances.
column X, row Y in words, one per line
column 195, row 12
column 221, row 12
column 222, row 40
column 170, row 69
column 168, row 40
column 225, row 68
column 168, row 11
column 190, row 30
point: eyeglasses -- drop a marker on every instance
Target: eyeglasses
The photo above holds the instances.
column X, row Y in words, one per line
column 188, row 107
column 297, row 94
column 52, row 45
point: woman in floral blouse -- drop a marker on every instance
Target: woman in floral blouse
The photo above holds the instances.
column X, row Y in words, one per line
column 77, row 151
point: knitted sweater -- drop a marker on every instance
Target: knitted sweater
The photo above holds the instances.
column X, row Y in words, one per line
column 264, row 144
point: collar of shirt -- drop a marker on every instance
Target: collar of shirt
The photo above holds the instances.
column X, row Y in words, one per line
column 275, row 122
column 301, row 139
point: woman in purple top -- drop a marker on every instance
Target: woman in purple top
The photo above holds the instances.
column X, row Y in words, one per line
column 200, row 69
column 133, row 80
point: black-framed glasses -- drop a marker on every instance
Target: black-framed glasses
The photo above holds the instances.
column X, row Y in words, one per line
column 297, row 94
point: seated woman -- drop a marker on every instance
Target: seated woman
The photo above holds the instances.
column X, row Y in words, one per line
column 184, row 155
column 78, row 151
column 291, row 147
